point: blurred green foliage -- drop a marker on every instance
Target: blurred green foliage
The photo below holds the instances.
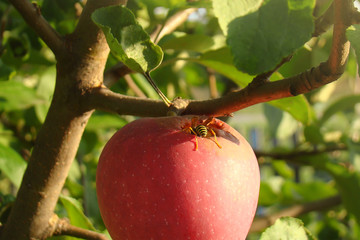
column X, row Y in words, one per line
column 328, row 118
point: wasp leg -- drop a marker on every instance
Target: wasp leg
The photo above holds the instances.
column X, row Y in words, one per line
column 191, row 130
column 195, row 135
column 215, row 139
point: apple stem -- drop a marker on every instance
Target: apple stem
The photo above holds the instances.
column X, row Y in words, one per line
column 158, row 91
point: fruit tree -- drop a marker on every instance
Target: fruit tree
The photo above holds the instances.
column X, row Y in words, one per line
column 283, row 73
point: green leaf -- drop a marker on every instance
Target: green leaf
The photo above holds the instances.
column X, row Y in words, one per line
column 297, row 106
column 145, row 86
column 74, row 188
column 267, row 195
column 261, row 39
column 46, row 84
column 61, row 14
column 76, row 213
column 105, row 121
column 349, row 187
column 343, row 104
column 45, row 90
column 354, row 153
column 353, row 34
column 221, row 61
column 287, row 228
column 281, row 124
column 313, row 134
column 228, row 10
column 12, row 165
column 307, row 192
column 127, row 39
column 283, row 169
column 10, row 99
column 6, row 72
column 189, row 42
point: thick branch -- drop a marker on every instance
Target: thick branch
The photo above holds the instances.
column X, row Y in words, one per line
column 63, row 227
column 297, row 210
column 106, row 100
column 32, row 15
column 87, row 35
column 264, row 92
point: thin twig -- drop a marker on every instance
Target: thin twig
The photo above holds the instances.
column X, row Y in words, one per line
column 212, row 83
column 132, row 85
column 171, row 24
column 264, row 77
column 295, row 154
column 63, row 227
column 32, row 15
column 294, row 211
column 115, row 73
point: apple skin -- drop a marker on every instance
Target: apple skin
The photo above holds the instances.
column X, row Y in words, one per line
column 153, row 184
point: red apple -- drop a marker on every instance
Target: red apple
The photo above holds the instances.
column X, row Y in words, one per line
column 152, row 182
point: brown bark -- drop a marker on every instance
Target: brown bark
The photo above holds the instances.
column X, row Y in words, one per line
column 80, row 67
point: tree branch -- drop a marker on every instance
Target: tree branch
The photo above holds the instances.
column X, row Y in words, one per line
column 87, row 29
column 212, row 83
column 171, row 24
column 264, row 91
column 32, row 15
column 63, row 227
column 325, row 73
column 296, row 154
column 261, row 223
column 132, row 85
column 116, row 72
column 104, row 99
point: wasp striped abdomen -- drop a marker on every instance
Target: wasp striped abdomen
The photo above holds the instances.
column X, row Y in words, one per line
column 201, row 130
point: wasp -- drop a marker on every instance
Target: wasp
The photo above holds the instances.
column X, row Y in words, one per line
column 203, row 128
